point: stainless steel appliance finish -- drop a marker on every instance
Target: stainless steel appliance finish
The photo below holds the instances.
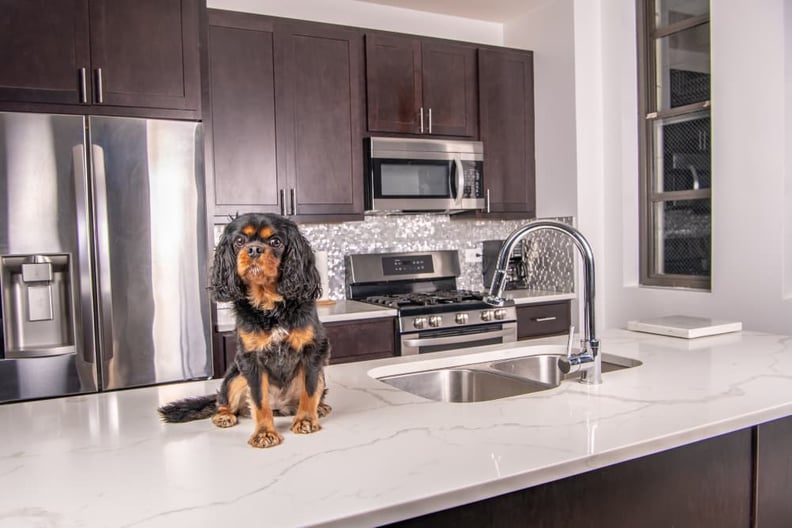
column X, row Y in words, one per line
column 418, row 175
column 102, row 245
column 433, row 314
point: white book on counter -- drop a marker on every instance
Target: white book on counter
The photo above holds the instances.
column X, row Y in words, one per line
column 684, row 326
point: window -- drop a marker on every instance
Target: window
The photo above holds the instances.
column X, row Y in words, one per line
column 674, row 108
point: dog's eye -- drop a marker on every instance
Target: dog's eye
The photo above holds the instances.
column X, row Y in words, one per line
column 239, row 241
column 275, row 242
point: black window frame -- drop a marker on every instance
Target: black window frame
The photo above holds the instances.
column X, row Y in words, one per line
column 648, row 113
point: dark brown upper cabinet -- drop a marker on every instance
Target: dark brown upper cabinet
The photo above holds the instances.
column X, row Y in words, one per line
column 242, row 149
column 506, row 102
column 286, row 117
column 421, row 86
column 108, row 55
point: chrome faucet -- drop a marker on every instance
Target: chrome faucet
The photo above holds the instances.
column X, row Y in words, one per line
column 589, row 359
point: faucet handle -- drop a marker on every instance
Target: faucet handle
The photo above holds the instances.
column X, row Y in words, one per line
column 570, row 339
column 493, row 300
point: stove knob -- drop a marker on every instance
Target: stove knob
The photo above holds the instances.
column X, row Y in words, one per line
column 500, row 313
column 435, row 321
column 419, row 322
column 461, row 318
column 486, row 315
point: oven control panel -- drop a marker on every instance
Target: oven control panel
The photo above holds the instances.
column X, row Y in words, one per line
column 452, row 320
column 407, row 265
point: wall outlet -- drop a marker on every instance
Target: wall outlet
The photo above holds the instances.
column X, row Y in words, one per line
column 472, row 255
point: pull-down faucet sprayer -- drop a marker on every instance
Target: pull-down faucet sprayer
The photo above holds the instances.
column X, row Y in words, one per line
column 589, row 359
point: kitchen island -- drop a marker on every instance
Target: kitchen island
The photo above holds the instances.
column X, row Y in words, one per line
column 383, row 455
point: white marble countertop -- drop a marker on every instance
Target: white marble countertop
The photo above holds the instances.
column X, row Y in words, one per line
column 383, row 455
column 346, row 310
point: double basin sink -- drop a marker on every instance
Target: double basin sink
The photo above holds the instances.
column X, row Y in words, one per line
column 492, row 379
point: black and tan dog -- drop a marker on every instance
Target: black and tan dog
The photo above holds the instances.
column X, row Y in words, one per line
column 266, row 268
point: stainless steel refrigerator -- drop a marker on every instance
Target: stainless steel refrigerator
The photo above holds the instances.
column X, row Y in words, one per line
column 103, row 247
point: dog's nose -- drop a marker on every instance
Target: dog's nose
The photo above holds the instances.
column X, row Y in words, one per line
column 254, row 251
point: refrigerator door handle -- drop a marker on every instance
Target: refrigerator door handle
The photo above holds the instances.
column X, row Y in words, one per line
column 102, row 253
column 84, row 265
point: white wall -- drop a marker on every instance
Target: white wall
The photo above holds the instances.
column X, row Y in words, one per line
column 547, row 30
column 751, row 145
column 751, row 228
column 363, row 14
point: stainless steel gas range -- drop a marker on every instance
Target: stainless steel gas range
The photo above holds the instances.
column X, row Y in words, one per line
column 433, row 315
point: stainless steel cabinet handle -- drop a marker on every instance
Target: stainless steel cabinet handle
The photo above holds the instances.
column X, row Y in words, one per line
column 545, row 319
column 293, row 201
column 430, row 120
column 488, row 201
column 420, row 118
column 83, row 86
column 282, row 196
column 99, row 92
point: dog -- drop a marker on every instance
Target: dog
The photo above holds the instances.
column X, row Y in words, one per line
column 265, row 267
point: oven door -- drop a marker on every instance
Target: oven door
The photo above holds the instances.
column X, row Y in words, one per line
column 455, row 338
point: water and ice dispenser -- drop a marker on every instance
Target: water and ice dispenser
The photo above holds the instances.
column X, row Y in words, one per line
column 38, row 312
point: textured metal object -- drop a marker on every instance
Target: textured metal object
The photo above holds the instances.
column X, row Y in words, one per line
column 550, row 262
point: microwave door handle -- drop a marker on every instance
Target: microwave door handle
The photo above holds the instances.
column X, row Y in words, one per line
column 460, row 179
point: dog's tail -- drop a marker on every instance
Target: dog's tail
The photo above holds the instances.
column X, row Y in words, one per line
column 189, row 409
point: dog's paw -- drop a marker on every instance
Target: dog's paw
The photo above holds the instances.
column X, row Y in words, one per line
column 323, row 410
column 224, row 419
column 265, row 438
column 305, row 425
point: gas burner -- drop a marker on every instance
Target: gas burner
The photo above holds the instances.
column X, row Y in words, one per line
column 425, row 299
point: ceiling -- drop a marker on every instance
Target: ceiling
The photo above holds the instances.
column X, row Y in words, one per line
column 489, row 10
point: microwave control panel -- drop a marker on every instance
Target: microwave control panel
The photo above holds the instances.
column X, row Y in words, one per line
column 472, row 177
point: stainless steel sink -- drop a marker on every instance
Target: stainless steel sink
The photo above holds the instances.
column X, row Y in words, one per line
column 544, row 368
column 462, row 385
column 492, row 380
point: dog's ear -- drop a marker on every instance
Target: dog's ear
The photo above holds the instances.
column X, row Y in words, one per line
column 225, row 284
column 298, row 278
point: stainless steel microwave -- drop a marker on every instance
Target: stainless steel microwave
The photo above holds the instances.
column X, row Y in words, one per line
column 414, row 175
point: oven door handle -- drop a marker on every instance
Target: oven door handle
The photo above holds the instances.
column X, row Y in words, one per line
column 452, row 340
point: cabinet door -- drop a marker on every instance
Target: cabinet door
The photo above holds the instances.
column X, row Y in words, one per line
column 242, row 89
column 393, row 83
column 319, row 106
column 145, row 53
column 361, row 340
column 43, row 46
column 449, row 89
column 507, row 129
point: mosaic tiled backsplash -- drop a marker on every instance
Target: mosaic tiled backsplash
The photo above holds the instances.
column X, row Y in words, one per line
column 550, row 254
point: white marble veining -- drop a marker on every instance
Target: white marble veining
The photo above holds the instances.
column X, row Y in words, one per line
column 383, row 455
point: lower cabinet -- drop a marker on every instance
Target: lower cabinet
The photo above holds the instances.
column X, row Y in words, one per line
column 350, row 341
column 543, row 319
column 774, row 474
column 740, row 479
column 223, row 352
column 361, row 340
